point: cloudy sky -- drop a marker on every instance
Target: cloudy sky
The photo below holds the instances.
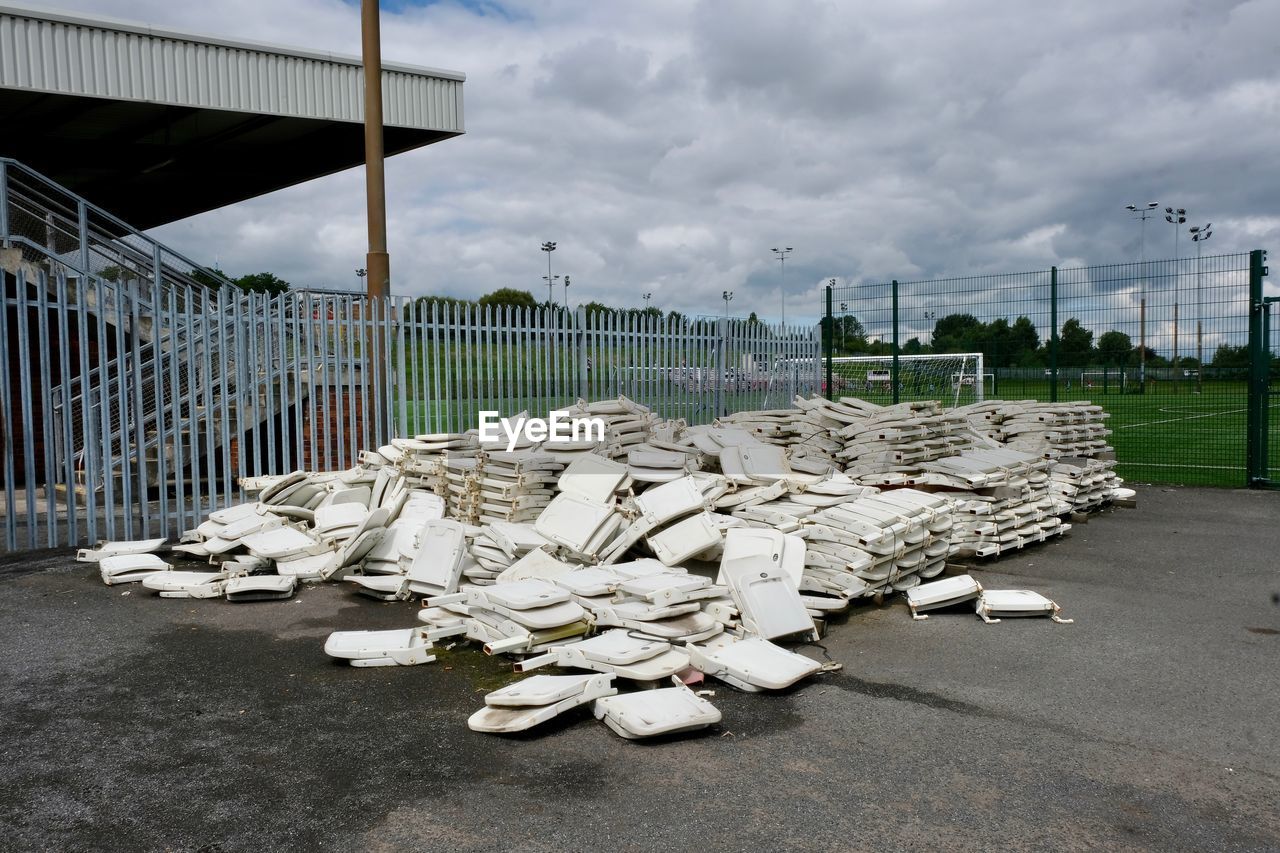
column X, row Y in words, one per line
column 668, row 146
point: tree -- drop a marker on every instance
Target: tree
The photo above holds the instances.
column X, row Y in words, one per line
column 262, row 282
column 508, row 296
column 1230, row 356
column 213, row 282
column 1115, row 348
column 957, row 333
column 1075, row 344
column 1024, row 340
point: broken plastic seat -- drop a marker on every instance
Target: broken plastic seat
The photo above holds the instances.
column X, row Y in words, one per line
column 694, row 626
column 537, row 563
column 996, row 604
column 396, row 647
column 130, row 568
column 590, row 582
column 118, row 549
column 767, row 597
column 682, row 540
column 536, row 700
column 943, row 593
column 576, row 522
column 668, row 588
column 649, row 713
column 260, row 588
column 283, row 543
column 187, row 584
column 750, row 663
column 616, row 651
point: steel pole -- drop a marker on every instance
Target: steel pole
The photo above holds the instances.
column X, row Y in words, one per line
column 378, row 262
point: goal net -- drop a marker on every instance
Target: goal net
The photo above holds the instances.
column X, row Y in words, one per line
column 1103, row 381
column 956, row 379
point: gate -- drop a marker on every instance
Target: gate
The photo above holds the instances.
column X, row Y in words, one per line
column 1264, row 381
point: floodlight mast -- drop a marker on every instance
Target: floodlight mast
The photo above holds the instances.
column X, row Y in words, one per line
column 1143, row 213
column 1177, row 217
column 1199, row 235
column 782, row 284
column 549, row 247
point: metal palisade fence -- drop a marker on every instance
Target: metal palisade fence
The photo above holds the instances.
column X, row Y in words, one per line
column 132, row 410
column 1181, row 353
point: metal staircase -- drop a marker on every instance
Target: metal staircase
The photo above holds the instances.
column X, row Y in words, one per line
column 163, row 313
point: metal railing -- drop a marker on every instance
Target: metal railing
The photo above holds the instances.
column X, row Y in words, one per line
column 108, row 433
column 1164, row 346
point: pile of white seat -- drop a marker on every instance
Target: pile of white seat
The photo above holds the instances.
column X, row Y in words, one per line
column 1004, row 499
column 878, row 543
column 627, row 423
column 1048, row 429
column 663, row 551
column 1085, row 484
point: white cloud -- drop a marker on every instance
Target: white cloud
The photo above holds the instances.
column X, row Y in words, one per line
column 668, row 146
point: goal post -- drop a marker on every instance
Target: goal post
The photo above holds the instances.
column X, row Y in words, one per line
column 1108, row 380
column 954, row 378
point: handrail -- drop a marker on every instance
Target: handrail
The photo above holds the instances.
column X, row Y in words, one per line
column 11, row 166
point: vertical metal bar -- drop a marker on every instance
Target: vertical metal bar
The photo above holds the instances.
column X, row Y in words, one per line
column 217, row 402
column 397, row 310
column 68, row 439
column 370, row 413
column 345, row 397
column 139, row 409
column 87, row 390
column 1053, row 337
column 46, row 413
column 448, row 317
column 243, row 325
column 484, row 362
column 158, row 330
column 328, row 366
column 830, row 338
column 177, row 344
column 1259, row 375
column 103, row 388
column 24, row 387
column 434, row 344
column 124, row 407
column 7, row 419
column 296, row 453
column 309, row 426
column 896, row 348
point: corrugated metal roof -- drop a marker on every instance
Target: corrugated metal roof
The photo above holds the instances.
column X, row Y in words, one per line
column 72, row 55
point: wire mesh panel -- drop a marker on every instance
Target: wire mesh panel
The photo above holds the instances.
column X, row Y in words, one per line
column 1162, row 345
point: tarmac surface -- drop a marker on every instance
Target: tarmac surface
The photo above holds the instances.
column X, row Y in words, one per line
column 134, row 723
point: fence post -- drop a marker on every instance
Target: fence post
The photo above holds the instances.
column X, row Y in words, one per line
column 580, row 351
column 896, row 392
column 830, row 336
column 721, row 372
column 1259, row 371
column 1053, row 337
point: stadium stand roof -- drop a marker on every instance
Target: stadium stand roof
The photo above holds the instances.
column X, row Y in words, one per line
column 155, row 125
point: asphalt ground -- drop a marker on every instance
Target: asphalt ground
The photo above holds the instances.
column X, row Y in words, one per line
column 134, row 723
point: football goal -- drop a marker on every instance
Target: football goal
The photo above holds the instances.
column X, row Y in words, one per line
column 1106, row 381
column 954, row 378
